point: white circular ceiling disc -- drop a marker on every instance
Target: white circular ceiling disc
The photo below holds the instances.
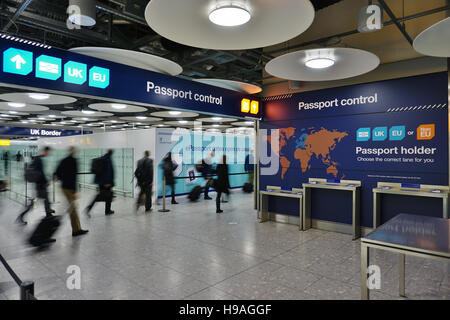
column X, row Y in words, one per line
column 147, row 119
column 346, row 63
column 132, row 58
column 174, row 114
column 116, row 107
column 434, row 41
column 239, row 86
column 37, row 98
column 188, row 22
column 82, row 114
column 16, row 106
column 216, row 119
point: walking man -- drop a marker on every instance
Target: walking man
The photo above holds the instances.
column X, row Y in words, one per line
column 206, row 173
column 144, row 176
column 104, row 178
column 67, row 174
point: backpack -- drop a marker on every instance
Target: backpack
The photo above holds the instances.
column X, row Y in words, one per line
column 195, row 193
column 31, row 174
column 199, row 166
column 98, row 166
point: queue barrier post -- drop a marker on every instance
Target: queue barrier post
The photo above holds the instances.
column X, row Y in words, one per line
column 27, row 290
column 164, row 197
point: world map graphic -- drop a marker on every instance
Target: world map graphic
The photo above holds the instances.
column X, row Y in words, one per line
column 301, row 144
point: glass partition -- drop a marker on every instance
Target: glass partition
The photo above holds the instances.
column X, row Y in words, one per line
column 123, row 161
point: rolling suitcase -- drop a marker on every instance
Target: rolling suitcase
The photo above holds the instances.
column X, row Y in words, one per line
column 45, row 230
column 195, row 193
column 248, row 188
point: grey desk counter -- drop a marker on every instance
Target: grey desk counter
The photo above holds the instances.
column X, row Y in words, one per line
column 415, row 235
column 352, row 186
column 264, row 195
column 395, row 189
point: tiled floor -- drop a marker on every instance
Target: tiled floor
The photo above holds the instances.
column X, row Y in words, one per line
column 193, row 253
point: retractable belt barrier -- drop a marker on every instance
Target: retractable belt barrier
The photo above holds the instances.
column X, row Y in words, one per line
column 26, row 287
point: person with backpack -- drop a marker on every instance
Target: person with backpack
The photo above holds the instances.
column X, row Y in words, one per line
column 104, row 177
column 67, row 173
column 35, row 174
column 144, row 177
column 168, row 168
column 222, row 183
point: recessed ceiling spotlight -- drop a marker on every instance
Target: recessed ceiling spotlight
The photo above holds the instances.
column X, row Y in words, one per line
column 217, row 118
column 230, row 15
column 174, row 113
column 215, row 125
column 16, row 104
column 88, row 111
column 13, row 112
column 160, row 125
column 319, row 63
column 249, row 122
column 85, row 119
column 141, row 117
column 118, row 106
column 39, row 96
column 182, row 121
column 51, row 116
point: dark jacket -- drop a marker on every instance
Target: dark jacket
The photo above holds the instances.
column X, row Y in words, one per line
column 145, row 169
column 39, row 167
column 222, row 184
column 206, row 169
column 108, row 173
column 249, row 163
column 168, row 168
column 67, row 173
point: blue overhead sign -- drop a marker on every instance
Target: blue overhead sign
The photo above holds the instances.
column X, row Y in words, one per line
column 72, row 73
column 39, row 132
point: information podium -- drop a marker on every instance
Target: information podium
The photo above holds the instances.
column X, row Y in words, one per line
column 274, row 191
column 352, row 186
column 407, row 189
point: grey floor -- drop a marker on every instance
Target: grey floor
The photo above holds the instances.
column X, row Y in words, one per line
column 193, row 253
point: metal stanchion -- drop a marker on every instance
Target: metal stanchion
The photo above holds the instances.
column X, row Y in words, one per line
column 26, row 290
column 164, row 197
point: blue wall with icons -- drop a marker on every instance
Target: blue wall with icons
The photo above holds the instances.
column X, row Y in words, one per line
column 399, row 136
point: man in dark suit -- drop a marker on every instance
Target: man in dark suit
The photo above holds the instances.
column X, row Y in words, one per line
column 144, row 176
column 105, row 182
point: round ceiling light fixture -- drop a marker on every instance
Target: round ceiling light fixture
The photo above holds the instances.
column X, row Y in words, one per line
column 16, row 104
column 320, row 63
column 182, row 121
column 231, row 15
column 88, row 111
column 39, row 96
column 141, row 117
column 118, row 106
column 174, row 113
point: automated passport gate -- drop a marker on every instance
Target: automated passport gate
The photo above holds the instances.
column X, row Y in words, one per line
column 342, row 185
column 405, row 189
column 273, row 191
column 30, row 65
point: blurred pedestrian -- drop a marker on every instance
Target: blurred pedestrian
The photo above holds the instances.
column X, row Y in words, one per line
column 207, row 164
column 67, row 173
column 19, row 156
column 169, row 167
column 250, row 166
column 104, row 178
column 222, row 183
column 144, row 176
column 36, row 170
